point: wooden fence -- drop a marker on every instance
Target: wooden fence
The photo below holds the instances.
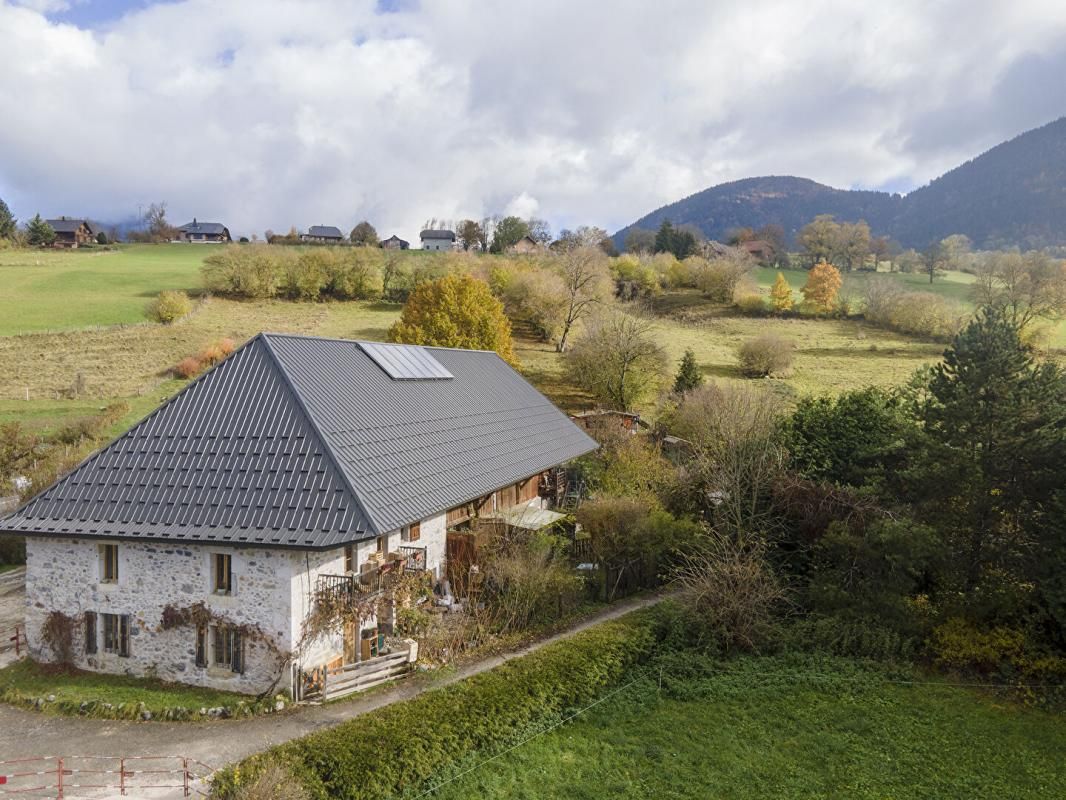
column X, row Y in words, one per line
column 351, row 678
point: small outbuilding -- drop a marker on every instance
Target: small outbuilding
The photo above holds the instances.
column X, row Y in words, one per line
column 394, row 242
column 527, row 244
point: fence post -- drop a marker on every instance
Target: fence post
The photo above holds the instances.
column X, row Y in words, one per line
column 122, row 776
column 18, row 644
column 185, row 775
column 59, row 779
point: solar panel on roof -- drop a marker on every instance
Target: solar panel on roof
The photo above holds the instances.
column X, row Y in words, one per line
column 406, row 362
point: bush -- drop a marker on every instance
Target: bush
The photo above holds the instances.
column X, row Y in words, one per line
column 400, row 747
column 889, row 305
column 188, row 367
column 719, row 279
column 765, row 356
column 751, row 304
column 958, row 644
column 192, row 366
column 169, row 307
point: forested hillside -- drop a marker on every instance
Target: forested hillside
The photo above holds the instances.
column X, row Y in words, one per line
column 1012, row 195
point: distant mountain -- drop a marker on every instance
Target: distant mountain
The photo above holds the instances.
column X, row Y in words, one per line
column 1015, row 194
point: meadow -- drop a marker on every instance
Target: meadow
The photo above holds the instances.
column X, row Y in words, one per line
column 783, row 727
column 76, row 320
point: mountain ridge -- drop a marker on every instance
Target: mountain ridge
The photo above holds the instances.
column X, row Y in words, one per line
column 1013, row 194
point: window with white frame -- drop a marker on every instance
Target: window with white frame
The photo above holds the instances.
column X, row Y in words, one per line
column 116, row 633
column 109, row 563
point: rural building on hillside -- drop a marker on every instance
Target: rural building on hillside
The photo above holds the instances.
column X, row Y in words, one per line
column 527, row 244
column 437, row 240
column 761, row 251
column 322, row 233
column 203, row 232
column 72, row 232
column 394, row 242
column 298, row 474
column 605, row 419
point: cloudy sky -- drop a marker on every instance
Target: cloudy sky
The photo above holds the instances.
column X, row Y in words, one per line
column 265, row 114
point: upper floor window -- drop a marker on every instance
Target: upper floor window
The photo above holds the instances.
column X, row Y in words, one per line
column 109, row 563
column 349, row 558
column 414, row 532
column 222, row 574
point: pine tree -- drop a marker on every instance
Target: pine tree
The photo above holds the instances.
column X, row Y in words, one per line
column 781, row 295
column 39, row 232
column 689, row 376
column 820, row 292
column 8, row 223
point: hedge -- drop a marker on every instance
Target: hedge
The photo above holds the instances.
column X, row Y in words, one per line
column 404, row 745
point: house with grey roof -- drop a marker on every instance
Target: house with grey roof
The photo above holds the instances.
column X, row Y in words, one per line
column 297, row 474
column 326, row 234
column 203, row 232
column 394, row 242
column 72, row 232
column 437, row 240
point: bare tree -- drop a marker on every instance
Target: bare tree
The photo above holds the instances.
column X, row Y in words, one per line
column 1024, row 286
column 587, row 283
column 618, row 360
column 155, row 220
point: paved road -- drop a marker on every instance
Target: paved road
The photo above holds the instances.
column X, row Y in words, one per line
column 24, row 733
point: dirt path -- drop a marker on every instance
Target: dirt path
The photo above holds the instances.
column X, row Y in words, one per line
column 23, row 733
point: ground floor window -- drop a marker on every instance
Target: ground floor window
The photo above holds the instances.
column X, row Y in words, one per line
column 227, row 648
column 116, row 633
column 90, row 633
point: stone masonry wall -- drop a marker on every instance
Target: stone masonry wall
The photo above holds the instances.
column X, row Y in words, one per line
column 65, row 575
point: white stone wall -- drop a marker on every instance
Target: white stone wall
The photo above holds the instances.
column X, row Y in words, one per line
column 65, row 575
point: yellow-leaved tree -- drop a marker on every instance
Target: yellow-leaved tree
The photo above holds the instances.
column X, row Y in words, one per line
column 455, row 311
column 781, row 294
column 820, row 292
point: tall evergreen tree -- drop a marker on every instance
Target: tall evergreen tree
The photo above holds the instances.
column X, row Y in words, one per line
column 995, row 422
column 688, row 376
column 8, row 223
column 39, row 232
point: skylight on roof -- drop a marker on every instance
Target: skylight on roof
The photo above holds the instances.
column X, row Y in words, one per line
column 406, row 362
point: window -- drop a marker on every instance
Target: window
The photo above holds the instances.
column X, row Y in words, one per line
column 414, row 532
column 349, row 558
column 90, row 633
column 201, row 645
column 222, row 580
column 116, row 634
column 109, row 563
column 227, row 649
column 382, row 544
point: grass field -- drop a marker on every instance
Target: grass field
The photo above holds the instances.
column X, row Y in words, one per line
column 781, row 728
column 71, row 289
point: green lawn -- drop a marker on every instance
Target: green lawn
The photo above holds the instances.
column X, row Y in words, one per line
column 71, row 289
column 73, row 687
column 780, row 728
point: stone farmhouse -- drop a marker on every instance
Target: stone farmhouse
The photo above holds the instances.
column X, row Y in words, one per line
column 329, row 234
column 203, row 232
column 437, row 240
column 394, row 242
column 198, row 546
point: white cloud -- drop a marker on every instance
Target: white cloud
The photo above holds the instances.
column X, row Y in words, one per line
column 268, row 114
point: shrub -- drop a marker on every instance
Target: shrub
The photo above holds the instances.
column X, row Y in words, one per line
column 820, row 291
column 400, row 747
column 169, row 307
column 959, row 644
column 889, row 305
column 719, row 278
column 188, row 367
column 731, row 591
column 273, row 783
column 751, row 304
column 765, row 356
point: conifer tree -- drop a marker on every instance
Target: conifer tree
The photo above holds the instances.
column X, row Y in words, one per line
column 820, row 291
column 781, row 294
column 8, row 222
column 39, row 232
column 688, row 376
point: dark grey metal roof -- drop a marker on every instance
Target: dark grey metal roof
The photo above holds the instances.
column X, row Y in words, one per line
column 203, row 227
column 325, row 231
column 64, row 225
column 304, row 442
column 449, row 235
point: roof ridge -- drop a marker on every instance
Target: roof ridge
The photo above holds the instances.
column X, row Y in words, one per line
column 280, row 334
column 326, row 447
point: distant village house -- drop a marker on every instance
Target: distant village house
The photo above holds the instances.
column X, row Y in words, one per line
column 72, row 232
column 203, row 232
column 394, row 242
column 527, row 244
column 437, row 240
column 327, row 234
